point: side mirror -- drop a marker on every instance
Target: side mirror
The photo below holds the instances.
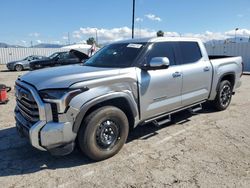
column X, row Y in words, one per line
column 158, row 63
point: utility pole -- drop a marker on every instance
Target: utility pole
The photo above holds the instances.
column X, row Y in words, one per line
column 133, row 19
column 236, row 29
column 68, row 39
column 96, row 36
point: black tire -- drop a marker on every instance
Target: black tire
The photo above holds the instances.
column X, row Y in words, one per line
column 224, row 96
column 103, row 133
column 18, row 68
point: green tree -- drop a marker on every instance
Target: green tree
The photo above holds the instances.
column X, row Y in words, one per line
column 160, row 33
column 90, row 41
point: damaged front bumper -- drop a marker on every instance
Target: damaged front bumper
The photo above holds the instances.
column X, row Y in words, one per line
column 55, row 137
column 45, row 134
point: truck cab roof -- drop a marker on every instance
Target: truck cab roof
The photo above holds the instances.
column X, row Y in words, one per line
column 160, row 39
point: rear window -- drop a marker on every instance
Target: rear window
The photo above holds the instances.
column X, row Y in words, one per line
column 190, row 52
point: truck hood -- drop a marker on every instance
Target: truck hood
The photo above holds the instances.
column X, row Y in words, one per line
column 65, row 76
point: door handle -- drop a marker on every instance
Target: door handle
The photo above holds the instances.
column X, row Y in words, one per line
column 176, row 74
column 206, row 69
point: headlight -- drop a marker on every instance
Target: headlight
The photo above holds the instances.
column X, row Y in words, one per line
column 53, row 94
column 61, row 97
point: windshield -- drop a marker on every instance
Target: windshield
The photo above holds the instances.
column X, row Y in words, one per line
column 116, row 55
column 53, row 55
column 26, row 58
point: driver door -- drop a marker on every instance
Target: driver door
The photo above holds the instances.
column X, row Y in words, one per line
column 160, row 90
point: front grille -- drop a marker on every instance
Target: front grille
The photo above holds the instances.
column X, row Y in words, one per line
column 27, row 105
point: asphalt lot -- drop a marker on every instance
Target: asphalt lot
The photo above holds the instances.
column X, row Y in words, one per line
column 210, row 149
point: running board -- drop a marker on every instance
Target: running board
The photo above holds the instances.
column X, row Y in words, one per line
column 195, row 109
column 165, row 118
column 159, row 123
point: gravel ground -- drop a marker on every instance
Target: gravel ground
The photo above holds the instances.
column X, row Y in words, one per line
column 210, row 149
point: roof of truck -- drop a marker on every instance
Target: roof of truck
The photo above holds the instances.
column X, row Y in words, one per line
column 159, row 39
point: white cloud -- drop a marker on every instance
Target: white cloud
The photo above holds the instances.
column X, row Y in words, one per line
column 24, row 41
column 35, row 34
column 39, row 41
column 55, row 42
column 208, row 35
column 65, row 37
column 153, row 17
column 76, row 34
column 114, row 34
column 239, row 32
column 139, row 19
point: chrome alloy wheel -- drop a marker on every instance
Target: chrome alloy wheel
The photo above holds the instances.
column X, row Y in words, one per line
column 225, row 95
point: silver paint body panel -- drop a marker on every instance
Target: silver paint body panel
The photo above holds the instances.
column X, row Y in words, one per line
column 150, row 93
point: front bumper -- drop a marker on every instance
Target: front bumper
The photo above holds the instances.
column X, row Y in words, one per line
column 10, row 66
column 47, row 135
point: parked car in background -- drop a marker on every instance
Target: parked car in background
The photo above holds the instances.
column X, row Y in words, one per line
column 59, row 59
column 24, row 63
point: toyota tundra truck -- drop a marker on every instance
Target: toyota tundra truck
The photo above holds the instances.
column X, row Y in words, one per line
column 125, row 84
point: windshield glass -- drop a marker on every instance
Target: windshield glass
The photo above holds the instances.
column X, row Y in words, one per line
column 26, row 58
column 116, row 55
column 53, row 55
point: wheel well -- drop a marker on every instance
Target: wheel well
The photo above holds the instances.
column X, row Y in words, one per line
column 19, row 65
column 230, row 78
column 120, row 103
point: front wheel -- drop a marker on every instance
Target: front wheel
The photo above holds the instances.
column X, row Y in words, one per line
column 18, row 67
column 103, row 133
column 224, row 95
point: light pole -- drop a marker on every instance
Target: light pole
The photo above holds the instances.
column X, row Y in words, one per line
column 236, row 29
column 96, row 36
column 68, row 39
column 133, row 19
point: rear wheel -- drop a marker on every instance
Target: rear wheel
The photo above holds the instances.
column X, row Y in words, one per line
column 224, row 95
column 103, row 133
column 18, row 67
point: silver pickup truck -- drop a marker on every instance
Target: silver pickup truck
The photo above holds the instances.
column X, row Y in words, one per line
column 125, row 84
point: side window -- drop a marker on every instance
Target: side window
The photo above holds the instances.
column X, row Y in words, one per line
column 162, row 49
column 64, row 56
column 190, row 52
column 71, row 56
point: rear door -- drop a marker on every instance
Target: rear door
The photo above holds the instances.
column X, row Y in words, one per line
column 160, row 90
column 196, row 72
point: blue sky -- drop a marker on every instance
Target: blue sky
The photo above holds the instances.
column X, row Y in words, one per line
column 49, row 21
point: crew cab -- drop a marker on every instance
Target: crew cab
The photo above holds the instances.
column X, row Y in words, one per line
column 125, row 84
